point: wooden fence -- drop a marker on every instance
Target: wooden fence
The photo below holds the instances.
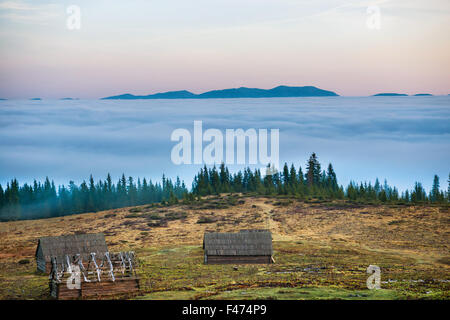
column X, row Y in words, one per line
column 112, row 275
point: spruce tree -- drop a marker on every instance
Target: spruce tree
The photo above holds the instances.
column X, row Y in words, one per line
column 224, row 178
column 331, row 178
column 435, row 192
column 313, row 171
column 1, row 198
column 377, row 187
column 286, row 179
column 293, row 181
column 448, row 188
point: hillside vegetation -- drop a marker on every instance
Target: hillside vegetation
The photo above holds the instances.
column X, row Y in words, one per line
column 321, row 249
column 44, row 200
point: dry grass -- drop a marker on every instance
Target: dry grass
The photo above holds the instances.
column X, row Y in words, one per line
column 317, row 245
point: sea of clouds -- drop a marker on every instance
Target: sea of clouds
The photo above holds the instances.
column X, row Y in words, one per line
column 402, row 139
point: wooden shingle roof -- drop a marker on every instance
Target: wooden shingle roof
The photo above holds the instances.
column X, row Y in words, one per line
column 243, row 243
column 82, row 244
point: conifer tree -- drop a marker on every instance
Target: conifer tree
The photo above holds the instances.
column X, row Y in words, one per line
column 448, row 188
column 313, row 171
column 331, row 178
column 435, row 192
column 293, row 182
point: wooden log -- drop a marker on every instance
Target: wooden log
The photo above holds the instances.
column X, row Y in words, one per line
column 95, row 289
column 238, row 259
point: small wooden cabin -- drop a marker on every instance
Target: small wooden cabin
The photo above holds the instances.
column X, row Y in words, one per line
column 59, row 247
column 244, row 247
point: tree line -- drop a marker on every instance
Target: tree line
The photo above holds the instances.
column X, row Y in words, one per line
column 314, row 183
column 44, row 200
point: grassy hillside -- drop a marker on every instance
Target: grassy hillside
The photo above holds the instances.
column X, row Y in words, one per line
column 321, row 249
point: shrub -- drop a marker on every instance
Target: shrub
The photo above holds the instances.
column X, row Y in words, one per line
column 283, row 203
column 232, row 201
column 393, row 222
column 152, row 216
column 129, row 223
column 175, row 215
column 132, row 215
column 444, row 260
column 204, row 219
column 158, row 223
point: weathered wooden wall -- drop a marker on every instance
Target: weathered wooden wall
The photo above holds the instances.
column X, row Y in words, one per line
column 238, row 259
column 112, row 275
column 92, row 290
column 43, row 266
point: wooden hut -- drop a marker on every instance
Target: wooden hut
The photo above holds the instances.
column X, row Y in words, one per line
column 59, row 247
column 244, row 247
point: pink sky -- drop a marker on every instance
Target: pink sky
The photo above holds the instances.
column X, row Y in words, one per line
column 146, row 47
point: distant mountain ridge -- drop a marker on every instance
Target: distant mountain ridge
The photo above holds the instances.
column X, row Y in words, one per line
column 242, row 92
column 401, row 95
column 390, row 95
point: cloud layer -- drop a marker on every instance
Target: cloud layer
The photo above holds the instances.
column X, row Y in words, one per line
column 403, row 139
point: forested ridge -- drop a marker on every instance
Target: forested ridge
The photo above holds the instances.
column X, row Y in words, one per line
column 44, row 200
